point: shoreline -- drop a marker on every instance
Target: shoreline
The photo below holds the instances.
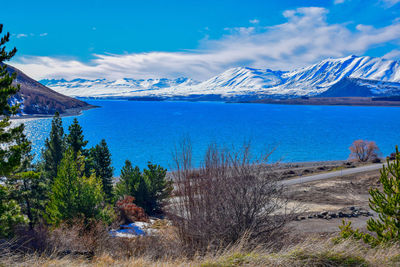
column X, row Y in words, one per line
column 68, row 113
column 330, row 101
column 311, row 101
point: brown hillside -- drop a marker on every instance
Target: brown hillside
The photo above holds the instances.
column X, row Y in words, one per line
column 39, row 99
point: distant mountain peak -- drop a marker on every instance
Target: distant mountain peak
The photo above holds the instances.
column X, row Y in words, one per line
column 244, row 81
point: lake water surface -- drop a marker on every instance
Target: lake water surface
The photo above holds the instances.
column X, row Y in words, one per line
column 148, row 131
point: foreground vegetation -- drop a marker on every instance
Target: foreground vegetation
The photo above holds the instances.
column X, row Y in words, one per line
column 230, row 211
column 312, row 252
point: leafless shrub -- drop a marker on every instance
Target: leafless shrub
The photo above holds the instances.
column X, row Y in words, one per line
column 230, row 195
column 363, row 151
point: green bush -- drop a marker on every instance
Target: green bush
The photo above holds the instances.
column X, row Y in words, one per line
column 74, row 195
column 386, row 203
column 10, row 214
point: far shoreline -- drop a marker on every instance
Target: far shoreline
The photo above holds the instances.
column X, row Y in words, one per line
column 68, row 113
column 332, row 101
column 304, row 101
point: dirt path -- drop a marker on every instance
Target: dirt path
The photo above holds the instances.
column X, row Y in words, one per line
column 333, row 174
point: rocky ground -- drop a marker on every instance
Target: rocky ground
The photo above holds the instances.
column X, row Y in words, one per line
column 322, row 205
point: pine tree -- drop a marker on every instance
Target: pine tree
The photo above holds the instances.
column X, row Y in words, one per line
column 10, row 150
column 150, row 188
column 102, row 166
column 74, row 195
column 387, row 203
column 128, row 180
column 143, row 195
column 54, row 148
column 29, row 188
column 159, row 188
column 10, row 213
column 75, row 138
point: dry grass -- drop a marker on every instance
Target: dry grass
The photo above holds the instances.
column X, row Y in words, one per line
column 311, row 252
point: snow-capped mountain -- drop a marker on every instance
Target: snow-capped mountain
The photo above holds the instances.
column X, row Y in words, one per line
column 126, row 87
column 370, row 76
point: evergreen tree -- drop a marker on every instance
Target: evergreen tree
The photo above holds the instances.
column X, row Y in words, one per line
column 387, row 203
column 128, row 180
column 150, row 188
column 75, row 138
column 54, row 148
column 102, row 167
column 143, row 195
column 10, row 213
column 74, row 195
column 10, row 150
column 29, row 188
column 13, row 143
column 158, row 187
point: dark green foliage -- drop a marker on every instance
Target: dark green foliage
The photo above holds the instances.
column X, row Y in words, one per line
column 158, row 187
column 346, row 231
column 10, row 152
column 75, row 138
column 13, row 143
column 74, row 195
column 150, row 188
column 101, row 164
column 386, row 203
column 54, row 148
column 29, row 188
column 128, row 180
column 10, row 213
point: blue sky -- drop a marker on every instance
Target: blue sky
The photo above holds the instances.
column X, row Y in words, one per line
column 198, row 39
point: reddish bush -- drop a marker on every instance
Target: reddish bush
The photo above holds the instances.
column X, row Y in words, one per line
column 130, row 212
column 363, row 151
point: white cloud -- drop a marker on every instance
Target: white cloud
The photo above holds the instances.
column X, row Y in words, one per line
column 254, row 21
column 394, row 54
column 390, row 3
column 43, row 34
column 338, row 2
column 21, row 35
column 305, row 38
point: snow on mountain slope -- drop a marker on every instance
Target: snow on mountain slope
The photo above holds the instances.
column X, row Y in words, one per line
column 308, row 81
column 119, row 88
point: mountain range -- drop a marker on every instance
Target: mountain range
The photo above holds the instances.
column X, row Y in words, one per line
column 349, row 76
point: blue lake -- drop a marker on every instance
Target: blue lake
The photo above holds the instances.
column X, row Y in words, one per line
column 148, row 131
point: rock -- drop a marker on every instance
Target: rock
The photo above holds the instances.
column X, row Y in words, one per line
column 332, row 214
